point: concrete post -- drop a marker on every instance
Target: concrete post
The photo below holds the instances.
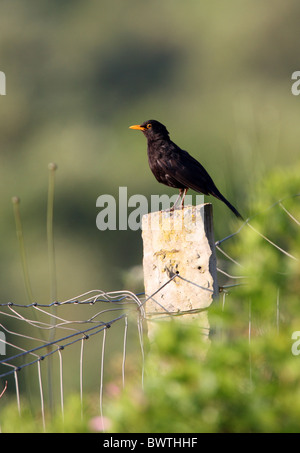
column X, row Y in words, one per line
column 180, row 246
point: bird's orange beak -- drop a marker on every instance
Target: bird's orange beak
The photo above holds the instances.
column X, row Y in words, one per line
column 137, row 127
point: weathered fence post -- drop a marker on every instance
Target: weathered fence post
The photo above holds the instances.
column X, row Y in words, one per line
column 179, row 263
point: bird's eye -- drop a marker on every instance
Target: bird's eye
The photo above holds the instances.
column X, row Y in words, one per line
column 149, row 125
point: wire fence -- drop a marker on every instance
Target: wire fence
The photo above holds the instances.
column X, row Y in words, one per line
column 45, row 321
column 42, row 331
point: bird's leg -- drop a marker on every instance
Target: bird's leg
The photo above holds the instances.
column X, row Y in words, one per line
column 183, row 197
column 182, row 194
column 175, row 204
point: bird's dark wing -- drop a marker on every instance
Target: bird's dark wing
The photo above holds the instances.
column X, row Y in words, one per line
column 179, row 165
column 183, row 171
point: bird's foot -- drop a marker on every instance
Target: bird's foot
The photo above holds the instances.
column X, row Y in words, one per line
column 173, row 208
column 169, row 210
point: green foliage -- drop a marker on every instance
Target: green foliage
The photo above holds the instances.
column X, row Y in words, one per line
column 28, row 421
column 272, row 275
column 234, row 388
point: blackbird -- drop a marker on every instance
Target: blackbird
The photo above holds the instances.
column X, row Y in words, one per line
column 175, row 167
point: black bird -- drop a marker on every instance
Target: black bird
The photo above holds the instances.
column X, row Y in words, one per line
column 175, row 167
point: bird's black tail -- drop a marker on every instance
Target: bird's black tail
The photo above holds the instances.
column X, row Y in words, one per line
column 222, row 198
column 235, row 211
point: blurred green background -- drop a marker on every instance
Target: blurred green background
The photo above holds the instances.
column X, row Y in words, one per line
column 79, row 73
